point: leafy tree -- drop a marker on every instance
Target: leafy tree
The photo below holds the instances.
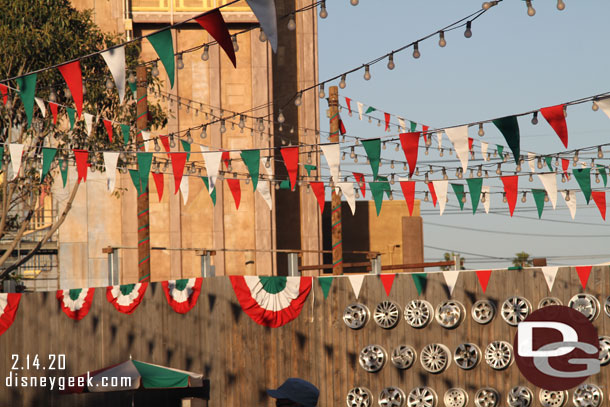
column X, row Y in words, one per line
column 36, row 34
column 522, row 260
column 450, row 257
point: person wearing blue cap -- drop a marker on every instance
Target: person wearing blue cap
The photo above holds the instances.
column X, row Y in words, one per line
column 295, row 392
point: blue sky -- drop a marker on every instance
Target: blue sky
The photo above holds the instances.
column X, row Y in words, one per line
column 513, row 63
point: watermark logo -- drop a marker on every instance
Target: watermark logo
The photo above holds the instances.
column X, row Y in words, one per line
column 557, row 348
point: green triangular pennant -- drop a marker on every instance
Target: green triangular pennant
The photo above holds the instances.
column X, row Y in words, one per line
column 370, row 110
column 71, row 116
column 373, row 152
column 134, row 89
column 509, row 127
column 48, row 154
column 125, row 130
column 325, row 283
column 474, row 187
column 64, row 171
column 252, row 160
column 377, row 189
column 207, row 186
column 164, row 47
column 1, row 156
column 413, row 126
column 310, row 168
column 285, row 184
column 420, row 280
column 135, row 178
column 144, row 162
column 549, row 163
column 583, row 177
column 500, row 150
column 459, row 193
column 386, row 185
column 186, row 147
column 27, row 90
column 601, row 170
column 539, row 195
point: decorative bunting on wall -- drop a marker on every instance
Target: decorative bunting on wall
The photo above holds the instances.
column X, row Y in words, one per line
column 408, row 190
column 509, row 127
column 483, row 277
column 555, row 116
column 54, row 110
column 115, row 59
column 356, row 282
column 182, row 294
column 81, row 157
column 110, row 162
column 251, row 159
column 27, row 89
column 440, row 187
column 583, row 177
column 135, row 178
column 74, row 79
column 271, row 301
column 360, row 106
column 599, row 197
column 387, row 121
column 377, row 189
column 126, row 298
column 583, row 275
column 178, row 161
column 71, row 116
column 158, row 178
column 602, row 171
column 373, row 152
column 549, row 276
column 475, row 186
column 213, row 193
column 144, row 163
column 163, row 45
column 459, row 138
column 325, row 284
column 16, row 152
column 48, row 155
column 604, row 104
column 212, row 166
column 484, row 147
column 215, row 25
column 387, row 280
column 458, row 189
column 332, row 153
column 264, row 188
column 347, row 189
column 410, row 146
column 511, row 185
column 64, row 171
column 451, row 277
column 539, row 195
column 184, row 189
column 264, row 10
column 41, row 106
column 235, row 188
column 318, row 191
column 9, row 304
column 570, row 199
column 108, row 126
column 89, row 120
column 485, row 192
column 421, row 281
column 76, row 303
column 549, row 181
column 165, row 143
column 531, row 160
column 4, row 93
column 291, row 161
column 125, row 130
column 432, row 193
column 361, row 183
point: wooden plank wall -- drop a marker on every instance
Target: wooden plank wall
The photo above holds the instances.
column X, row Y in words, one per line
column 242, row 359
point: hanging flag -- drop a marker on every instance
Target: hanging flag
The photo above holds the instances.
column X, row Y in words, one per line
column 4, row 93
column 235, row 188
column 549, row 273
column 165, row 142
column 325, row 283
column 54, row 108
column 212, row 166
column 74, row 79
column 470, row 142
column 484, row 147
column 264, row 187
column 583, row 177
column 440, row 187
column 110, row 162
column 215, row 25
column 599, row 197
column 408, row 191
column 291, row 161
column 500, row 150
column 144, row 163
column 76, row 303
column 264, row 10
column 373, row 152
column 9, row 304
column 570, row 199
column 583, row 275
column 71, row 116
column 115, row 59
column 48, row 155
column 63, row 169
column 125, row 130
column 539, row 195
column 81, row 157
column 178, row 161
column 212, row 193
column 421, row 281
column 483, row 277
column 360, row 106
column 348, row 102
column 531, row 159
column 602, row 171
column 271, row 301
column 182, row 294
column 459, row 138
column 555, row 116
column 16, row 151
column 475, row 186
column 27, row 89
column 387, row 280
column 370, row 109
column 485, row 191
column 361, row 182
column 356, row 283
column 458, row 189
column 145, row 138
column 413, row 126
column 549, row 181
column 377, row 189
column 439, row 138
column 252, row 160
column 451, row 277
column 135, row 178
column 158, row 178
column 89, row 120
column 41, row 106
column 549, row 163
column 424, row 133
column 347, row 189
column 387, row 121
column 401, row 124
column 226, row 158
column 163, row 45
column 432, row 193
column 186, row 146
column 342, row 127
column 126, row 298
column 332, row 153
column 410, row 146
column 318, row 190
column 511, row 185
column 509, row 127
column 565, row 165
column 108, row 126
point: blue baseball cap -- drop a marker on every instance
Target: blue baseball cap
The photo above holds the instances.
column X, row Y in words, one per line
column 297, row 390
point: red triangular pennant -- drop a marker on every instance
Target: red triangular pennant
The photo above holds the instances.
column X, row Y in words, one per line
column 511, row 183
column 387, row 121
column 215, row 25
column 387, row 280
column 165, row 142
column 318, row 190
column 483, row 276
column 408, row 190
column 226, row 158
column 557, row 119
column 432, row 193
column 81, row 157
column 342, row 127
column 361, row 182
column 74, row 79
column 583, row 274
column 424, row 132
column 565, row 165
column 348, row 102
column 108, row 126
column 470, row 141
column 54, row 109
column 178, row 162
column 235, row 188
column 158, row 177
column 4, row 91
column 410, row 146
column 600, row 200
column 291, row 161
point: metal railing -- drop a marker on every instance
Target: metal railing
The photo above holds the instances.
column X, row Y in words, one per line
column 166, row 6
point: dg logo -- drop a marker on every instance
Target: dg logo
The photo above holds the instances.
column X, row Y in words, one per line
column 557, row 348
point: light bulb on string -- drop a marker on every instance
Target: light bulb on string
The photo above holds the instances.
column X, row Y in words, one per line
column 323, row 12
column 597, row 178
column 172, row 142
column 416, row 53
column 343, row 156
column 391, row 64
column 535, row 118
column 342, row 83
column 561, row 5
column 417, row 171
column 322, row 94
column 441, row 41
column 600, row 153
column 204, row 132
column 392, row 181
column 426, row 199
column 53, row 96
column 179, row 62
column 441, row 153
column 280, row 117
column 530, row 10
column 383, row 145
column 546, row 197
column 262, row 37
column 235, row 44
column 594, row 106
column 567, row 195
column 367, row 73
column 471, row 173
column 354, row 2
column 563, row 178
column 445, row 176
column 68, row 94
column 464, row 198
column 481, row 131
column 539, row 165
column 504, row 197
column 427, row 151
column 531, row 178
column 109, row 84
column 468, row 32
column 357, row 194
column 575, row 158
column 524, row 197
column 499, row 169
column 189, row 138
column 480, row 171
column 157, row 147
column 223, row 128
column 298, row 100
column 205, row 55
column 404, row 167
column 242, row 122
column 426, row 178
column 483, row 199
column 352, row 154
column 397, row 148
column 292, row 25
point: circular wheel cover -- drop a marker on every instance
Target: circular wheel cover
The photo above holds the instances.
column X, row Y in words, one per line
column 387, row 314
column 487, row 397
column 356, row 316
column 391, row 397
column 549, row 398
column 483, row 311
column 519, row 396
column 418, row 313
column 403, row 356
column 359, row 397
column 455, row 398
column 422, row 397
column 515, row 309
column 372, row 358
column 586, row 304
column 499, row 355
column 435, row 358
column 467, row 356
column 588, row 395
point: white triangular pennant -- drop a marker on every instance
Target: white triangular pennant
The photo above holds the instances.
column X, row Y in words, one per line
column 41, row 106
column 16, row 151
column 549, row 181
column 110, row 162
column 485, row 189
column 212, row 165
column 459, row 138
column 145, row 137
column 332, row 154
column 115, row 59
column 264, row 10
column 264, row 187
column 439, row 138
column 531, row 159
column 440, row 187
column 356, row 282
column 571, row 202
column 89, row 119
column 604, row 104
column 451, row 277
column 549, row 275
column 184, row 189
column 360, row 105
column 484, row 146
column 347, row 188
column 402, row 124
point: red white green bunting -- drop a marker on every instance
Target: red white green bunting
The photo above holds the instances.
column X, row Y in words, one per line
column 9, row 303
column 126, row 298
column 182, row 295
column 76, row 302
column 271, row 301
